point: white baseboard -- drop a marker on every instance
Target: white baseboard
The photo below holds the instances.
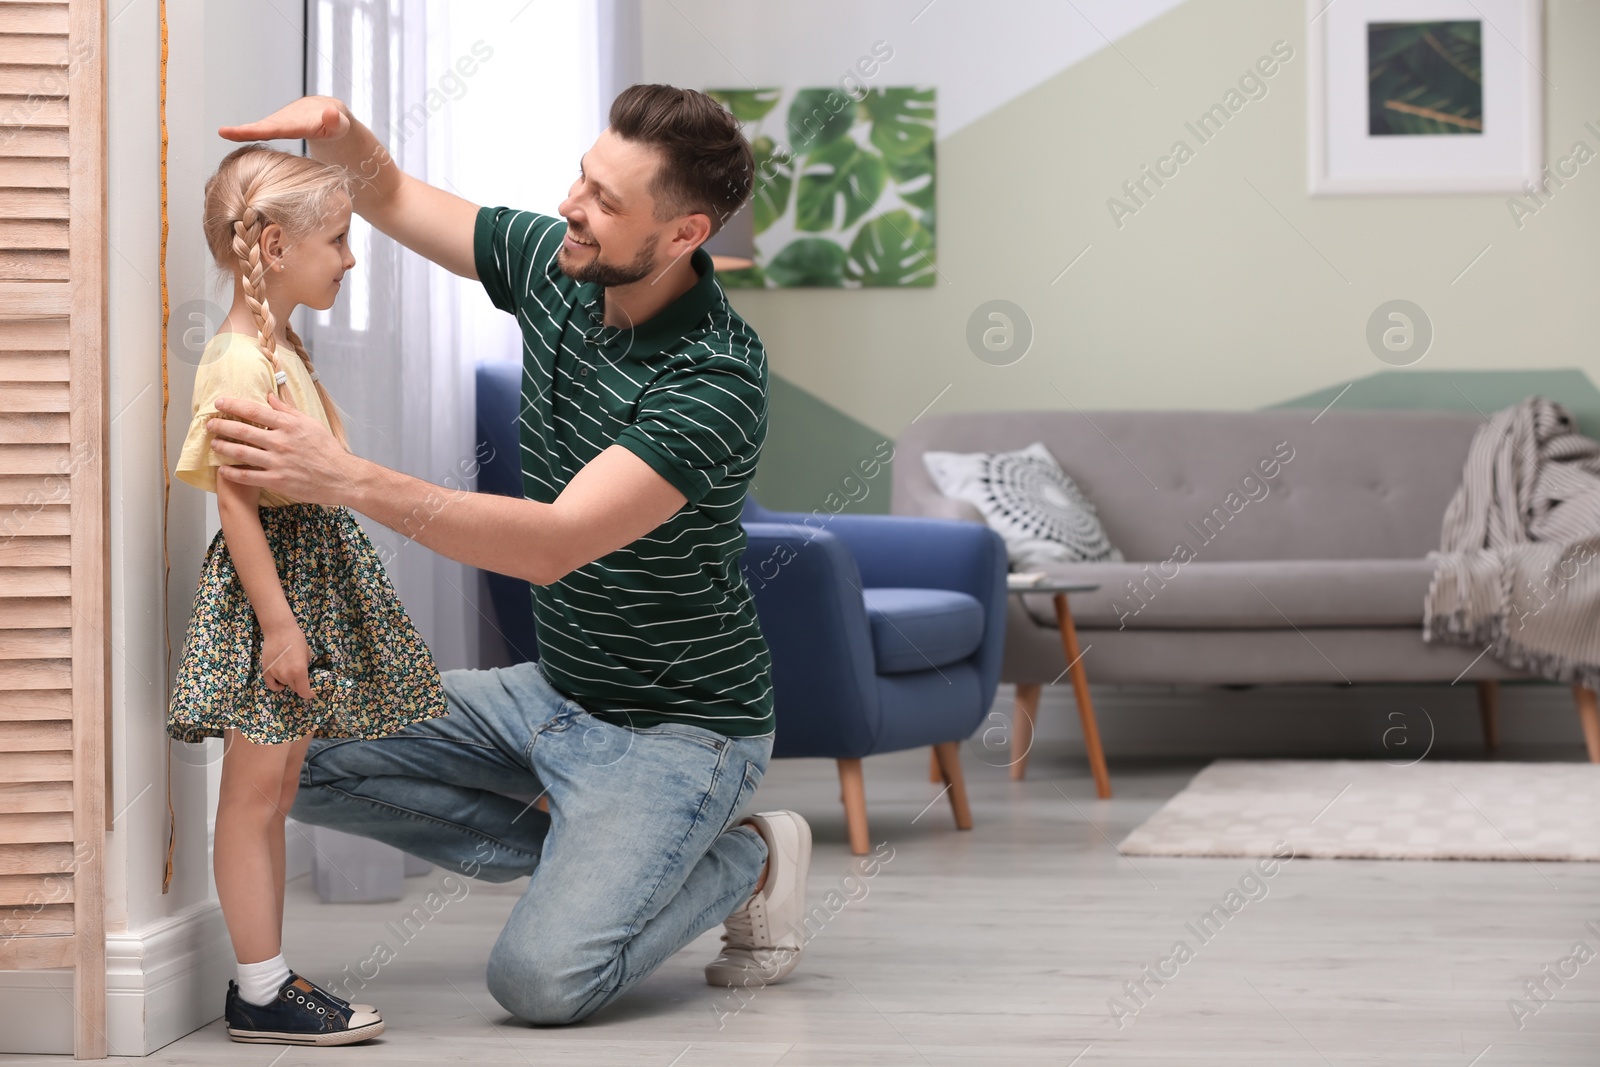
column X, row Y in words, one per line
column 163, row 982
column 168, row 980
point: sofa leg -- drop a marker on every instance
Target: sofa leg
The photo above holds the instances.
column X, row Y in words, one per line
column 853, row 788
column 1026, row 715
column 949, row 757
column 933, row 767
column 1489, row 711
column 1589, row 715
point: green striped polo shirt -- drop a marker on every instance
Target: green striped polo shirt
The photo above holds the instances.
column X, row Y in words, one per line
column 664, row 629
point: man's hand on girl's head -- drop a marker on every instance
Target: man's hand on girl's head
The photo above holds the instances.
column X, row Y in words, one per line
column 311, row 118
column 281, row 449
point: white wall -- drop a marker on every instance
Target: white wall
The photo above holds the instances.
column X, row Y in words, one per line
column 205, row 91
column 230, row 60
column 978, row 58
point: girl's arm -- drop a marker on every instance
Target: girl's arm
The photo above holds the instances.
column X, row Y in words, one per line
column 285, row 656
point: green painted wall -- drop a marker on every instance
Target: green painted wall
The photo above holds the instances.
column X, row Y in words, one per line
column 1482, row 391
column 814, row 449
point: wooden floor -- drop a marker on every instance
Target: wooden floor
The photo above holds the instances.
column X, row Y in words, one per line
column 1005, row 944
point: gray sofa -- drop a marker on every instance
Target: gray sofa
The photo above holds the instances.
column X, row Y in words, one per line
column 1315, row 574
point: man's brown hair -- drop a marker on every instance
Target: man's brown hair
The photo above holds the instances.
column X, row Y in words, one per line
column 706, row 166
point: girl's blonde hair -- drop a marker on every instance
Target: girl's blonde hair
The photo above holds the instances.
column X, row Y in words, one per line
column 256, row 185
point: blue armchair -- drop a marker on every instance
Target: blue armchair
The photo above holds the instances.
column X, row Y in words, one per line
column 886, row 632
column 499, row 385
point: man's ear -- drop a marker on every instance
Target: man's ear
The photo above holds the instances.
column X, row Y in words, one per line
column 695, row 230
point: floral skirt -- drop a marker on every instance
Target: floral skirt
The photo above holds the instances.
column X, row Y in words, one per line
column 371, row 673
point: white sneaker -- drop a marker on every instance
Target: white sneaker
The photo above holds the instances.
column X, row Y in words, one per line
column 761, row 941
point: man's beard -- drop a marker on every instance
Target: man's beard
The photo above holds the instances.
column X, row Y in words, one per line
column 606, row 274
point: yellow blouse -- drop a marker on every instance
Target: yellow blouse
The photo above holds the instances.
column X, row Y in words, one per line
column 234, row 365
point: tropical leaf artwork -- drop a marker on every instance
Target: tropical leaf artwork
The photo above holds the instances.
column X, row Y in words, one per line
column 844, row 193
column 1425, row 78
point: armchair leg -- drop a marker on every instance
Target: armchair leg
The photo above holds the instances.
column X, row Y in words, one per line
column 1589, row 715
column 949, row 757
column 933, row 767
column 1489, row 711
column 1027, row 714
column 853, row 788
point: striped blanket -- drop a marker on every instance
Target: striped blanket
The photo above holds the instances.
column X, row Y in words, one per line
column 1517, row 569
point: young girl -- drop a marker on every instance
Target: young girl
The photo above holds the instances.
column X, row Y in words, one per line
column 297, row 632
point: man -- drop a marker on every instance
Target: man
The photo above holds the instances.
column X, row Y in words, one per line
column 647, row 723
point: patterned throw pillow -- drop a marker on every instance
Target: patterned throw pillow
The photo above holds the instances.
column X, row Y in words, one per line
column 1028, row 499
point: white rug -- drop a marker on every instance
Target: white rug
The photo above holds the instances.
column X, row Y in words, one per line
column 1359, row 809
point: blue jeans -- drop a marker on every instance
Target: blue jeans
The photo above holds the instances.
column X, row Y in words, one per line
column 638, row 856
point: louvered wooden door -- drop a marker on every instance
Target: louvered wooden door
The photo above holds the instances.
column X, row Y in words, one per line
column 54, row 585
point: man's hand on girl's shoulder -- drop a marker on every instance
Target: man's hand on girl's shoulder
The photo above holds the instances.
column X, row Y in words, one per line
column 280, row 448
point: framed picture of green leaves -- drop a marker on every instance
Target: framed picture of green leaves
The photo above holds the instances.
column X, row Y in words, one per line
column 844, row 187
column 1425, row 96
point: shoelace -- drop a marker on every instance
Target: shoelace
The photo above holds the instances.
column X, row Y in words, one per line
column 739, row 929
column 330, row 1002
column 336, row 998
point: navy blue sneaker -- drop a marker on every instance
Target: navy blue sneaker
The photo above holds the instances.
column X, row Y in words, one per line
column 357, row 1008
column 302, row 1014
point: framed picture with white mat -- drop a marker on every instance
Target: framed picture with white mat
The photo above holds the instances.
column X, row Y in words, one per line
column 1424, row 96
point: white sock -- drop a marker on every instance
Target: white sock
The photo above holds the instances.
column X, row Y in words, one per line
column 259, row 982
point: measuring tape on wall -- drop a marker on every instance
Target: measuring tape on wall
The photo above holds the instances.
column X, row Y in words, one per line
column 166, row 399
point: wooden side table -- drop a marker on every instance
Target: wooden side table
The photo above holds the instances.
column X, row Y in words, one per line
column 1028, row 693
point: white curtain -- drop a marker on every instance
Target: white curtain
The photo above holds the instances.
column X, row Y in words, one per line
column 496, row 101
column 619, row 50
